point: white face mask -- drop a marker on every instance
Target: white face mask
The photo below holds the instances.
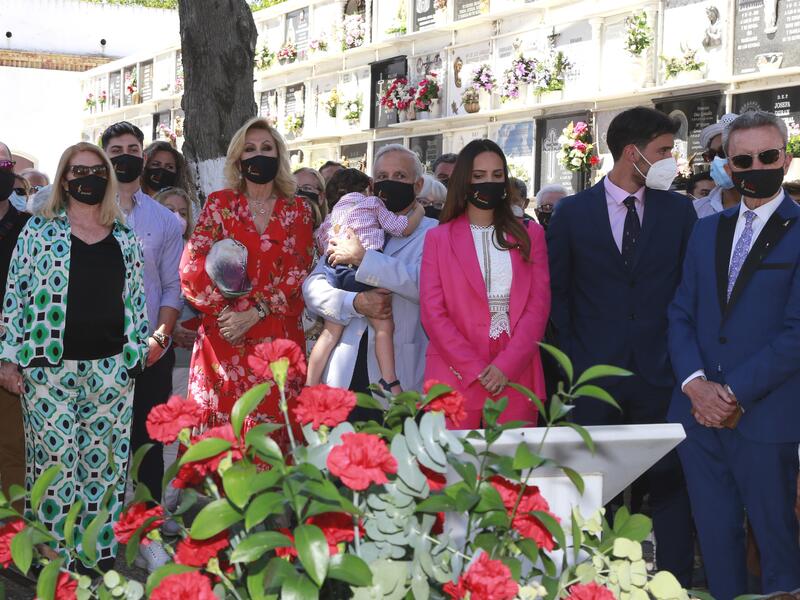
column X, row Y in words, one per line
column 661, row 174
column 517, row 210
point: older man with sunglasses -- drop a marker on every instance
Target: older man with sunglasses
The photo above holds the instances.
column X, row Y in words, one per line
column 734, row 337
column 12, row 440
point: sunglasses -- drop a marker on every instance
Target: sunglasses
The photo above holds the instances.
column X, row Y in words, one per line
column 710, row 154
column 21, row 191
column 767, row 157
column 36, row 188
column 7, row 164
column 545, row 208
column 83, row 171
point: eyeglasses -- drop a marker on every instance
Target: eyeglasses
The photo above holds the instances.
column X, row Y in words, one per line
column 545, row 208
column 766, row 157
column 21, row 191
column 309, row 188
column 83, row 171
column 710, row 154
column 7, row 164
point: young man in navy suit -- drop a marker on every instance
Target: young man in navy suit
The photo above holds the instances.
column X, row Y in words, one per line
column 616, row 252
column 734, row 337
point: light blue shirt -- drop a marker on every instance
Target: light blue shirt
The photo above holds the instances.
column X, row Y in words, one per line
column 160, row 234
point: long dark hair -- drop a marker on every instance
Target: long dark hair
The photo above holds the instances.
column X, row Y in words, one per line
column 182, row 179
column 459, row 187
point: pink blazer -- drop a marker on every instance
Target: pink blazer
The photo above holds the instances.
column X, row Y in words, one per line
column 454, row 310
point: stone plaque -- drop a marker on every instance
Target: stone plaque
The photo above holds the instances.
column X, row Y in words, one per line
column 784, row 102
column 297, row 30
column 427, row 147
column 464, row 9
column 549, row 168
column 766, row 35
column 694, row 114
column 354, row 156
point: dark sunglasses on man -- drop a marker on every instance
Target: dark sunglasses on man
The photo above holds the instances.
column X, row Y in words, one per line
column 83, row 171
column 710, row 154
column 766, row 157
column 7, row 164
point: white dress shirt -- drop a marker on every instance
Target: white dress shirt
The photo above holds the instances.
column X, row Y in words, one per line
column 617, row 211
column 763, row 214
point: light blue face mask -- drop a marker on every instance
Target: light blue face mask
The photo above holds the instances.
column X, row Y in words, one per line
column 18, row 202
column 718, row 174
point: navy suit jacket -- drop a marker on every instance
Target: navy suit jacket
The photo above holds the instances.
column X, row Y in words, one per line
column 752, row 341
column 604, row 312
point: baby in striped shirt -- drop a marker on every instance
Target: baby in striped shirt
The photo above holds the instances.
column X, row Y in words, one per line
column 368, row 218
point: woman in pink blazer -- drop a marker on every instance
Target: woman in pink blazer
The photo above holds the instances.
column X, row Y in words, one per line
column 485, row 290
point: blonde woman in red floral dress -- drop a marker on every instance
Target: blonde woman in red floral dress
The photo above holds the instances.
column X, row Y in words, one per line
column 261, row 212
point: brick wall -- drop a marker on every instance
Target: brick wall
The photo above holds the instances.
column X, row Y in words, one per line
column 50, row 60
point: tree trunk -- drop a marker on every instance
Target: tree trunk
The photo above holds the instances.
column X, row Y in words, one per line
column 218, row 42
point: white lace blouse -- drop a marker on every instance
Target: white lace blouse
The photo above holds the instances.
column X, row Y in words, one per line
column 495, row 266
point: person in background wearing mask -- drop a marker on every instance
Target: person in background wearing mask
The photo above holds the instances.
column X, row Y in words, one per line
column 735, row 344
column 700, row 185
column 432, row 196
column 546, row 201
column 443, row 167
column 164, row 167
column 259, row 210
column 724, row 195
column 329, row 169
column 311, row 186
column 36, row 179
column 73, row 362
column 12, row 440
column 483, row 330
column 616, row 252
column 792, row 189
column 161, row 236
column 519, row 197
column 19, row 194
column 394, row 272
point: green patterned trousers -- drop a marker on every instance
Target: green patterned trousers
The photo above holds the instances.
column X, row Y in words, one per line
column 78, row 415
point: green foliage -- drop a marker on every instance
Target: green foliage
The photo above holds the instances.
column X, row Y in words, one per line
column 638, row 34
column 168, row 4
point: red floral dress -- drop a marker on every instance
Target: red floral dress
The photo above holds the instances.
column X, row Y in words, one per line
column 278, row 262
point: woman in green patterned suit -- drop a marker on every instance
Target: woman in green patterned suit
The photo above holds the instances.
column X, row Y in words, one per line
column 75, row 333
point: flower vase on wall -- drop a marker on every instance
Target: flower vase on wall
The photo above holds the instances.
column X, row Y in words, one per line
column 411, row 113
column 402, row 116
column 435, row 109
column 485, row 100
column 423, row 115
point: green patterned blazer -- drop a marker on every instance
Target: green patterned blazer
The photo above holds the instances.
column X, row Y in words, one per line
column 35, row 304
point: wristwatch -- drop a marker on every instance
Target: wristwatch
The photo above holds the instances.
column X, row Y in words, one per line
column 162, row 339
column 261, row 310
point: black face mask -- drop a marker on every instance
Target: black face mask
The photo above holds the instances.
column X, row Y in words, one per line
column 487, row 196
column 313, row 196
column 433, row 212
column 127, row 167
column 158, row 179
column 260, row 169
column 397, row 195
column 6, row 183
column 543, row 217
column 758, row 183
column 90, row 189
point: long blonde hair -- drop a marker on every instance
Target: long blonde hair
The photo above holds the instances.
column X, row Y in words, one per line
column 318, row 209
column 161, row 197
column 284, row 184
column 59, row 198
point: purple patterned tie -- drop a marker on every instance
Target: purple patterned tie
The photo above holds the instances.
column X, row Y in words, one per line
column 741, row 250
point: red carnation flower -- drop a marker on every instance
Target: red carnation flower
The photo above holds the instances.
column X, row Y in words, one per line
column 361, row 459
column 197, row 553
column 166, row 421
column 590, row 591
column 270, row 352
column 133, row 518
column 450, row 403
column 526, row 524
column 286, row 551
column 337, row 528
column 323, row 405
column 184, row 586
column 438, row 524
column 192, row 474
column 7, row 533
column 594, row 160
column 486, row 579
column 66, row 587
column 436, row 481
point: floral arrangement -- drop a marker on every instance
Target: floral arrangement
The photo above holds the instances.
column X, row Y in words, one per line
column 638, row 34
column 90, row 102
column 470, row 96
column 509, row 87
column 332, row 101
column 793, row 145
column 675, row 65
column 103, row 98
column 483, row 78
column 353, row 108
column 164, row 132
column 399, row 95
column 353, row 31
column 179, row 120
column 551, row 73
column 264, row 58
column 427, row 91
column 293, row 124
column 440, row 5
column 130, row 83
column 357, row 509
column 287, row 53
column 318, row 45
column 576, row 148
column 397, row 29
